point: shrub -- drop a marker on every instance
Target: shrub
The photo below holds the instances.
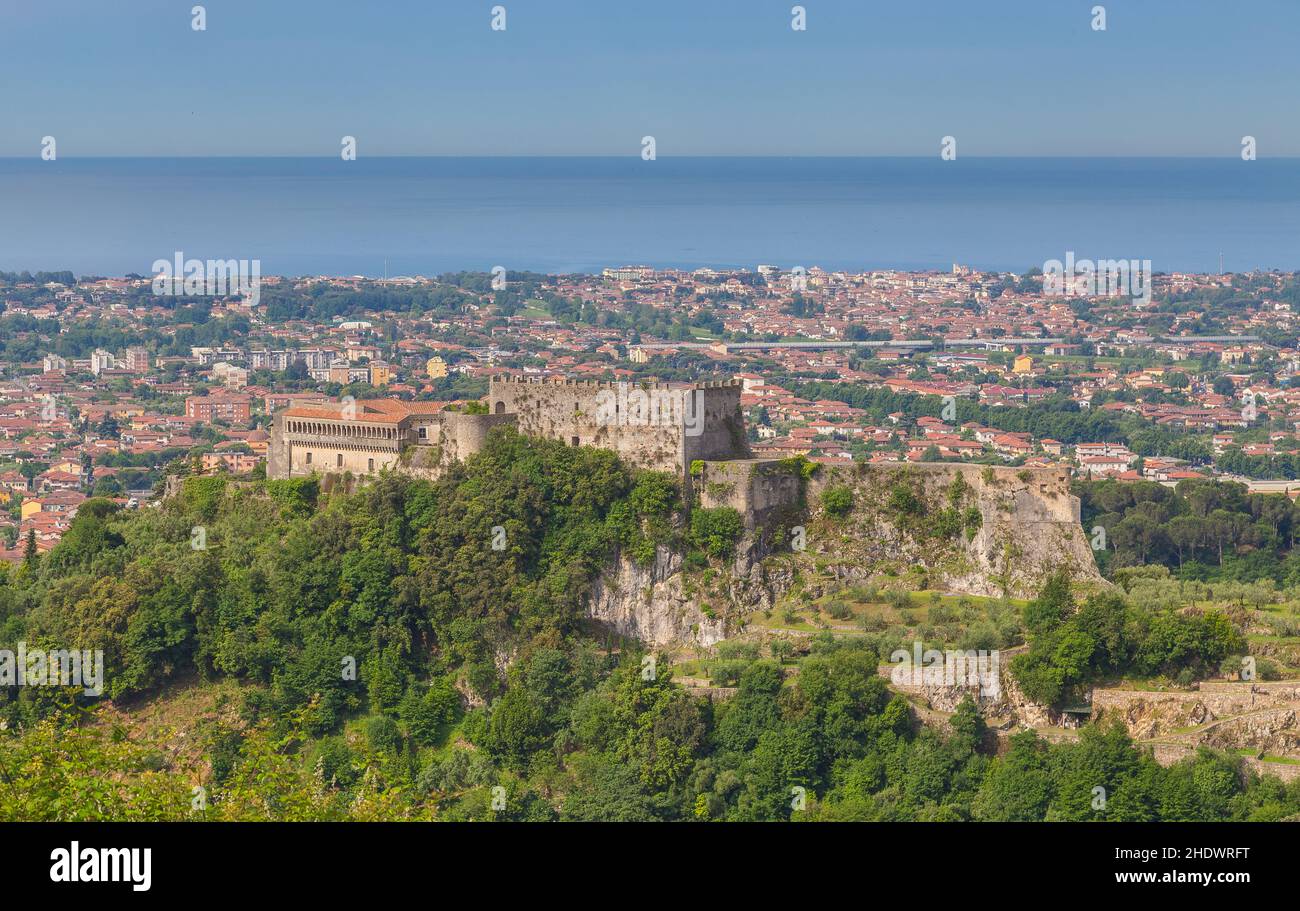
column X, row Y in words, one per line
column 716, row 531
column 727, row 673
column 781, row 648
column 982, row 635
column 424, row 715
column 904, row 501
column 1267, row 669
column 297, row 494
column 837, row 501
column 655, row 494
column 839, row 610
column 872, row 623
column 1231, row 666
column 957, row 489
column 947, row 524
column 334, row 762
column 733, row 650
column 382, row 734
column 899, row 600
column 942, row 613
column 201, row 495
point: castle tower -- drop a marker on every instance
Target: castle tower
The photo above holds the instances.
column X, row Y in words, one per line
column 661, row 426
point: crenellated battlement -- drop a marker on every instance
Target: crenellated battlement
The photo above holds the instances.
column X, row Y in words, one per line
column 650, row 386
column 662, row 426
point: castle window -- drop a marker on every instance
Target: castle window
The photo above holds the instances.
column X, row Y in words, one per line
column 371, row 466
column 339, row 461
column 308, row 456
column 424, row 433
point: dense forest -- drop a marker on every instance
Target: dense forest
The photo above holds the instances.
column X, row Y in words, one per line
column 1281, row 465
column 480, row 691
column 1109, row 636
column 1199, row 529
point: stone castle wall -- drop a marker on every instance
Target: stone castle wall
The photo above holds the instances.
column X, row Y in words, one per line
column 462, row 435
column 331, row 446
column 756, row 488
column 655, row 426
column 650, row 425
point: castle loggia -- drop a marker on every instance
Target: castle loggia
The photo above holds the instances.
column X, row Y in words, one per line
column 661, row 426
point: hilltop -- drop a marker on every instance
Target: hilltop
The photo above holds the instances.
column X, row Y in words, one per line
column 371, row 654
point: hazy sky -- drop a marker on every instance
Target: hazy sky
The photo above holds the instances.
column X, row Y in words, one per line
column 868, row 77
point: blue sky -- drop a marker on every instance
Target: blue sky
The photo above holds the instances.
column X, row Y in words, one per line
column 705, row 77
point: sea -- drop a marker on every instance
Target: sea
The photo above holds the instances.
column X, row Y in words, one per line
column 426, row 216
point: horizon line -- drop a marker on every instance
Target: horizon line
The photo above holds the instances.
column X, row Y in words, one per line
column 636, row 156
column 436, row 276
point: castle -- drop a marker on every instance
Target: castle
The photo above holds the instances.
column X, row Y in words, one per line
column 661, row 426
column 1027, row 523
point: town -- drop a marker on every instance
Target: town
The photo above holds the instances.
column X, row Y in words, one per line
column 107, row 388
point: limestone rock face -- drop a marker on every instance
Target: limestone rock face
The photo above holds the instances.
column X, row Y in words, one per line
column 1003, row 705
column 1017, row 705
column 1273, row 732
column 971, row 529
column 974, row 529
column 1234, row 716
column 648, row 603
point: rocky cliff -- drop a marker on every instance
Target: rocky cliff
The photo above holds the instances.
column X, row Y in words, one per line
column 979, row 530
column 966, row 528
column 650, row 603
